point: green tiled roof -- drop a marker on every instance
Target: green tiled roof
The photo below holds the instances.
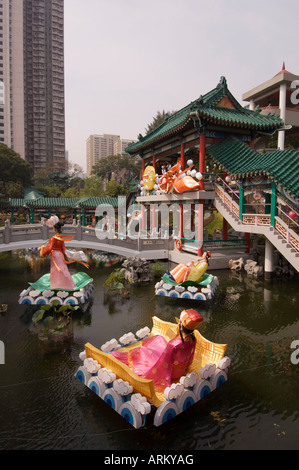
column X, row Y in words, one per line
column 52, row 203
column 17, row 202
column 207, row 109
column 96, row 201
column 240, row 160
column 240, row 117
column 284, row 169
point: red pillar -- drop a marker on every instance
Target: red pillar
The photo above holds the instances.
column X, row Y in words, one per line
column 183, row 158
column 143, row 166
column 154, row 162
column 202, row 157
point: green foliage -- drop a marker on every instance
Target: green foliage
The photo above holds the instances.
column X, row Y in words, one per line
column 50, row 186
column 158, row 120
column 12, row 189
column 54, row 317
column 93, row 187
column 119, row 167
column 216, row 223
column 14, row 170
column 158, row 269
column 71, row 192
column 116, row 280
column 114, row 189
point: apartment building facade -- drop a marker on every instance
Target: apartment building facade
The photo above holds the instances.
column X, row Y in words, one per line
column 32, row 116
column 100, row 146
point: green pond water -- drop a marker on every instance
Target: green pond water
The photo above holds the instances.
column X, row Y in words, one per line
column 43, row 406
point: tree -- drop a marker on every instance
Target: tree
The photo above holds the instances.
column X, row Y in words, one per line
column 119, row 167
column 114, row 189
column 13, row 169
column 12, row 189
column 93, row 187
column 158, row 120
column 52, row 187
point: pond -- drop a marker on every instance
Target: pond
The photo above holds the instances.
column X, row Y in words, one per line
column 43, row 406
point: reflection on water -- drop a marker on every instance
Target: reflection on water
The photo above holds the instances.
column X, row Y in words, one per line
column 42, row 405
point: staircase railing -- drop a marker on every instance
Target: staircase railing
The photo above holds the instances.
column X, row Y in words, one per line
column 284, row 224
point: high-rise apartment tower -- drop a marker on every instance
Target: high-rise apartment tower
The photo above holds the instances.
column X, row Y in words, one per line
column 100, row 146
column 32, row 116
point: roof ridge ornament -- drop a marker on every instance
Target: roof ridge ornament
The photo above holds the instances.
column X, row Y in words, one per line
column 257, row 109
column 200, row 101
column 222, row 83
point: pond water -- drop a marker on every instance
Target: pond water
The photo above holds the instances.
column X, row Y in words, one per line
column 43, row 406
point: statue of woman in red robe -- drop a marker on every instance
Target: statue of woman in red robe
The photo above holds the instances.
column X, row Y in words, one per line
column 60, row 277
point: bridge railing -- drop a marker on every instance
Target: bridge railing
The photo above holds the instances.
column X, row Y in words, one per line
column 18, row 233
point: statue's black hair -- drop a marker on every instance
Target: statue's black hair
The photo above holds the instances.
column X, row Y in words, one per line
column 59, row 226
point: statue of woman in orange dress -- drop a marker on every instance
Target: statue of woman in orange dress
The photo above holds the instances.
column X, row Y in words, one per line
column 60, row 277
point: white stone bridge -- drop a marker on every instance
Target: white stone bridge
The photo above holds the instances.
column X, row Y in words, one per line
column 20, row 237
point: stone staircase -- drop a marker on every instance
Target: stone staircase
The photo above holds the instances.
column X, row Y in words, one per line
column 276, row 237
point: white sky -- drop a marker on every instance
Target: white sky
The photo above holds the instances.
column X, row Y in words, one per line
column 127, row 59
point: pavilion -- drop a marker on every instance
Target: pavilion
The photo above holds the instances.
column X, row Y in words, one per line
column 214, row 121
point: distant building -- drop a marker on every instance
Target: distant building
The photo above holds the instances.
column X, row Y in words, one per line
column 277, row 96
column 32, row 117
column 121, row 144
column 100, row 146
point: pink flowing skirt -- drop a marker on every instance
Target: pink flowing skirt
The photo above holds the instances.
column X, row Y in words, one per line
column 60, row 278
column 159, row 360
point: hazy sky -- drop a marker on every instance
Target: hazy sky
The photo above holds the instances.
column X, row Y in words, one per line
column 127, row 59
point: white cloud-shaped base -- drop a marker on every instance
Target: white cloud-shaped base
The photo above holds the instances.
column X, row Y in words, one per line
column 207, row 371
column 122, row 387
column 189, row 380
column 140, row 404
column 174, row 391
column 106, row 375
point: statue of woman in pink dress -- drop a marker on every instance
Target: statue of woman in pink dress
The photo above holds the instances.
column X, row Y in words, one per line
column 163, row 361
column 60, row 277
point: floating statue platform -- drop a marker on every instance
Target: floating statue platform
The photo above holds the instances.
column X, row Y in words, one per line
column 140, row 401
column 40, row 292
column 189, row 281
column 59, row 285
column 188, row 290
